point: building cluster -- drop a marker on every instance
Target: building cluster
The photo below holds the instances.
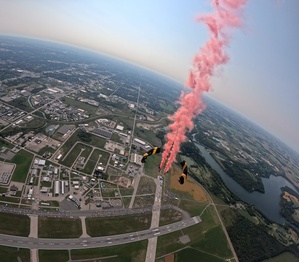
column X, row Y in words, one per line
column 8, row 114
column 59, row 111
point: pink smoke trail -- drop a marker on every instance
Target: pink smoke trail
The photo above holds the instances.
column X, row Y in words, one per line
column 211, row 55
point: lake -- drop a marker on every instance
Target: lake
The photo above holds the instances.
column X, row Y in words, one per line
column 267, row 203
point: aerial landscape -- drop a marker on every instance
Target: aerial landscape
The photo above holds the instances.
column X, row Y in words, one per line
column 99, row 161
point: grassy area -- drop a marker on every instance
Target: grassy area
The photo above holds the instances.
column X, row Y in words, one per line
column 89, row 108
column 5, row 144
column 46, row 149
column 202, row 237
column 97, row 226
column 167, row 107
column 151, row 165
column 190, row 254
column 192, row 207
column 3, row 189
column 23, row 161
column 289, row 257
column 144, row 201
column 96, row 155
column 214, row 242
column 78, row 149
column 133, row 252
column 11, row 199
column 115, row 137
column 108, row 192
column 51, row 255
column 148, row 136
column 146, row 186
column 35, row 123
column 11, row 224
column 59, row 228
column 126, row 201
column 9, row 254
column 168, row 216
column 126, row 191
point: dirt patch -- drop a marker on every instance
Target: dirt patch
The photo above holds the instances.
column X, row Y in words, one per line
column 290, row 198
column 169, row 258
column 189, row 186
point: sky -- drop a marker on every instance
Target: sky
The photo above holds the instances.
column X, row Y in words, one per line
column 260, row 81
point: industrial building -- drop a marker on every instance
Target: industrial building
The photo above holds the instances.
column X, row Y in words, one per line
column 56, row 187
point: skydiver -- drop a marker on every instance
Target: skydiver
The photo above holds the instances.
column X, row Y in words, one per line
column 150, row 152
column 183, row 177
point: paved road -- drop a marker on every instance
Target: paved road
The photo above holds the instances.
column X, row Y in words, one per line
column 78, row 243
column 152, row 242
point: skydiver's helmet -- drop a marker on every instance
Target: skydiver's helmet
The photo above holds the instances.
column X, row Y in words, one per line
column 181, row 180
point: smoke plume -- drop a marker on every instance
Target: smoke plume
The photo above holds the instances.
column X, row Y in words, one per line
column 226, row 16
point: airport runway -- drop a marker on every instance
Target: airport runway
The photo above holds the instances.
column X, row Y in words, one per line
column 92, row 242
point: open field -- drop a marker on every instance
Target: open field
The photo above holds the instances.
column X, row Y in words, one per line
column 59, row 228
column 46, row 149
column 11, row 224
column 51, row 255
column 23, row 161
column 207, row 236
column 133, row 252
column 88, row 108
column 146, row 186
column 5, row 144
column 98, row 226
column 288, row 257
column 191, row 254
column 96, row 155
column 147, row 135
column 168, row 216
column 190, row 186
column 78, row 149
column 151, row 165
column 9, row 254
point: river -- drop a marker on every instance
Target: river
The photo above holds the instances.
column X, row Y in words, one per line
column 267, row 203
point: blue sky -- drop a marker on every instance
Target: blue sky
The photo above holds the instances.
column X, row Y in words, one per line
column 261, row 80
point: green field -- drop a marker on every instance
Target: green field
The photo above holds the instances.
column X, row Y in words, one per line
column 288, row 257
column 146, row 186
column 23, row 161
column 126, row 191
column 97, row 226
column 46, row 149
column 191, row 254
column 11, row 224
column 168, row 108
column 9, row 254
column 78, row 149
column 115, row 137
column 151, row 165
column 214, row 242
column 206, row 237
column 88, row 108
column 148, row 136
column 133, row 252
column 51, row 255
column 59, row 228
column 92, row 161
column 168, row 216
column 5, row 144
column 194, row 208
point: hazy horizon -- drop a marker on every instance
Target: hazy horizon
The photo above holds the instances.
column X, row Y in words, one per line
column 260, row 81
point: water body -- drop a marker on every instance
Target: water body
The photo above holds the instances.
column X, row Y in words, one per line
column 267, row 203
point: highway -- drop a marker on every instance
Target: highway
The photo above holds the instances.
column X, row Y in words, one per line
column 92, row 242
column 152, row 242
